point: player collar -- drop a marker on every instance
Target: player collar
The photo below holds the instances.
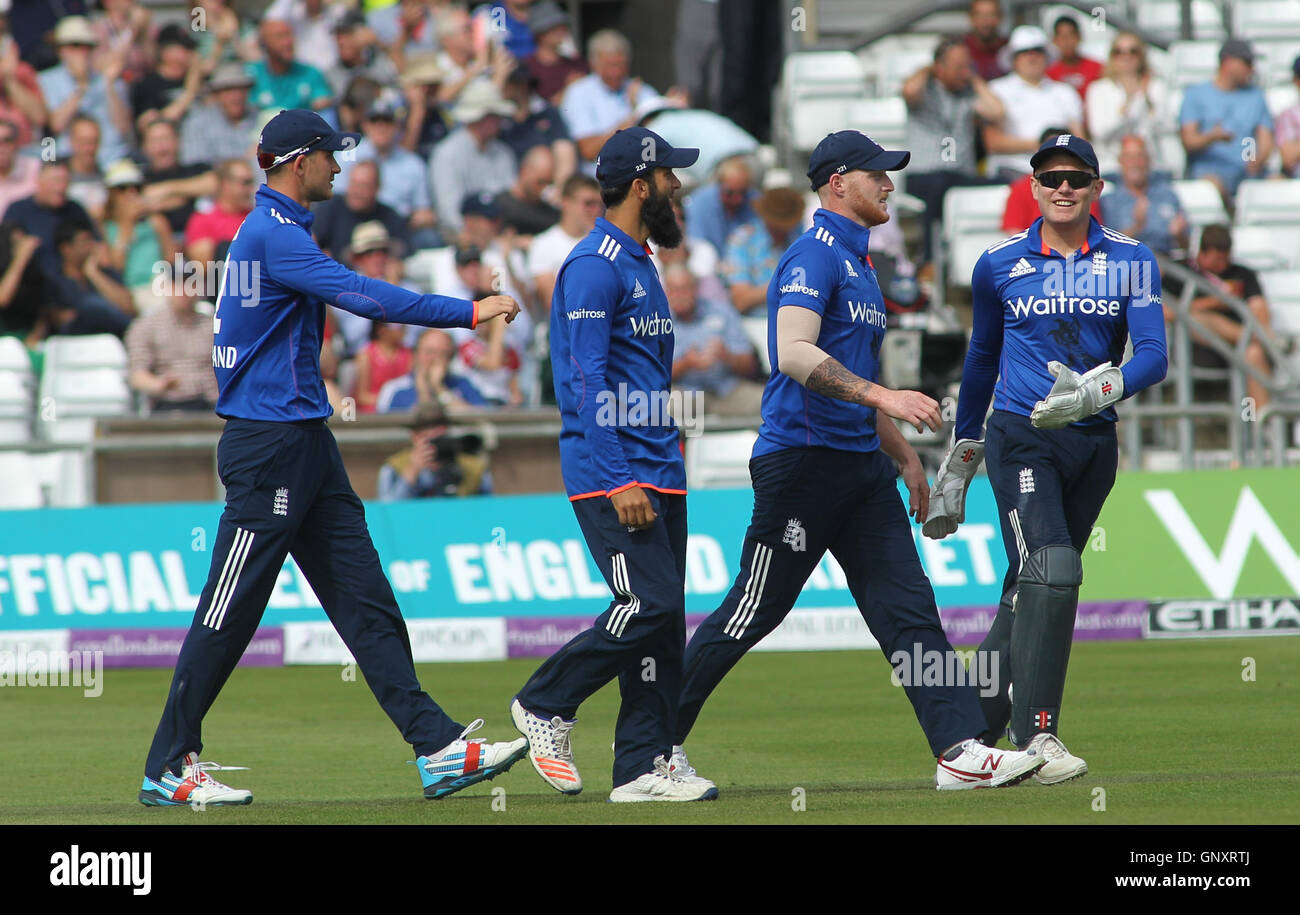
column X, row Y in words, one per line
column 1094, row 240
column 630, row 244
column 846, row 231
column 285, row 206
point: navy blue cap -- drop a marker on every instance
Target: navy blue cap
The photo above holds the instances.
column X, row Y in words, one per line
column 480, row 203
column 633, row 151
column 850, row 150
column 296, row 131
column 1078, row 147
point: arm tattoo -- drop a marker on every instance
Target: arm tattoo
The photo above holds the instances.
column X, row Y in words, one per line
column 832, row 379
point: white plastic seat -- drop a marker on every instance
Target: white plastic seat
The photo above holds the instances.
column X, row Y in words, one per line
column 1201, row 201
column 20, row 485
column 84, row 352
column 13, row 356
column 719, row 459
column 1266, row 18
column 1164, row 18
column 1267, row 247
column 75, row 397
column 1268, row 202
column 1193, row 61
column 756, row 330
column 973, row 209
column 965, row 251
column 1282, row 289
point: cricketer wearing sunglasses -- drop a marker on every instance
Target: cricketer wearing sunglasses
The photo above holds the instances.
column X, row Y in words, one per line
column 1053, row 307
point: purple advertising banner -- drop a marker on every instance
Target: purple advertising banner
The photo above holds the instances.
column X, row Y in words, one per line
column 159, row 647
column 1097, row 621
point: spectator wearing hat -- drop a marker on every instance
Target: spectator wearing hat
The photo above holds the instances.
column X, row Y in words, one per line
column 752, row 251
column 371, row 252
column 985, row 40
column 313, row 24
column 1022, row 210
column 1129, row 99
column 1142, row 204
column 524, row 208
column 603, row 102
column 17, row 173
column 427, row 121
column 1288, row 132
column 711, row 352
column 356, row 52
column 554, row 62
column 536, row 122
column 489, row 360
column 136, row 238
column 1225, row 124
column 89, row 297
column 405, row 181
column 208, row 230
column 472, row 158
column 48, row 207
column 169, row 350
column 226, row 125
column 1031, row 103
column 436, row 463
column 171, row 187
column 723, row 205
column 280, row 80
column 74, row 86
column 431, row 379
column 170, row 88
column 947, row 102
column 1071, row 67
column 579, row 206
column 21, row 101
column 338, row 217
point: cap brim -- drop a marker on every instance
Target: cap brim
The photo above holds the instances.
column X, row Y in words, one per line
column 887, row 160
column 680, row 158
column 337, row 141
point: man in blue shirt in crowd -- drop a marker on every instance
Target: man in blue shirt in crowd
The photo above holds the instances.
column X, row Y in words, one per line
column 611, row 339
column 287, row 491
column 825, row 470
column 1053, row 308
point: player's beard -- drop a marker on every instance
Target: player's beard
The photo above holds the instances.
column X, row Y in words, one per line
column 659, row 218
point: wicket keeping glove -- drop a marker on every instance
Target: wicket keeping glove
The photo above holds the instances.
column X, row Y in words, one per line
column 948, row 497
column 1076, row 396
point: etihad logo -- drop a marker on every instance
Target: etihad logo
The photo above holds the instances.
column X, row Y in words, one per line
column 862, row 311
column 1021, row 268
column 651, row 327
column 638, row 292
column 580, row 313
column 1022, row 307
column 801, row 289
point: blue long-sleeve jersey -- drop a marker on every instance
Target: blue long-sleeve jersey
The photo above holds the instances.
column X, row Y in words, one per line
column 826, row 270
column 1033, row 305
column 612, row 358
column 270, row 313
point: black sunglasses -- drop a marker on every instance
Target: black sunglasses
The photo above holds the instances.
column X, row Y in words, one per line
column 1076, row 179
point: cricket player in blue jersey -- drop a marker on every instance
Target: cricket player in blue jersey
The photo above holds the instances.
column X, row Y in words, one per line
column 287, row 491
column 1053, row 307
column 612, row 356
column 825, row 471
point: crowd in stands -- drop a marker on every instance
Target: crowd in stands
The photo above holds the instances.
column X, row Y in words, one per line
column 128, row 162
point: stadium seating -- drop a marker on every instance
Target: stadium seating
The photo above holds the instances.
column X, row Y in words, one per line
column 1163, row 19
column 1270, row 247
column 965, row 251
column 20, row 485
column 719, row 459
column 1268, row 202
column 84, row 378
column 1266, row 18
column 1192, row 62
column 1201, row 201
column 1282, row 289
column 1275, row 57
column 15, row 407
column 85, row 352
column 756, row 330
column 817, row 94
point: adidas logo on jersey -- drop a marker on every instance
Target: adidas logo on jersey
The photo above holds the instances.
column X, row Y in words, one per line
column 1021, row 268
column 638, row 291
column 849, row 267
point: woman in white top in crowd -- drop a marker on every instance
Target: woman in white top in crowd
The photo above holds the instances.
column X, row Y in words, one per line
column 1128, row 99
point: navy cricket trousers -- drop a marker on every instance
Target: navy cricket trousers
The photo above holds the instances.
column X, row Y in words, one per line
column 1050, row 486
column 639, row 638
column 808, row 501
column 287, row 492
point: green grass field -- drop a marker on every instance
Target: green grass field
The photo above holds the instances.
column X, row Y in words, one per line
column 1170, row 730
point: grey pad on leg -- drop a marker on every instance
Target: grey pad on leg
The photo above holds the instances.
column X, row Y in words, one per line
column 1046, row 600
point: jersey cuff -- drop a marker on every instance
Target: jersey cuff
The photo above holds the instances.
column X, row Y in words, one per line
column 473, row 320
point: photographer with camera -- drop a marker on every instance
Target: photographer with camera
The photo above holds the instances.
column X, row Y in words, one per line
column 437, row 463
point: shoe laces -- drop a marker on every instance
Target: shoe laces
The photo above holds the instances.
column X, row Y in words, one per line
column 680, row 764
column 560, row 737
column 1051, row 747
column 199, row 772
column 664, row 771
column 470, row 729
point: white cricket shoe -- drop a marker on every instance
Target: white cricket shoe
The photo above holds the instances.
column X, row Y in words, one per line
column 193, row 787
column 549, row 748
column 662, row 784
column 1061, row 765
column 974, row 765
column 680, row 766
column 467, row 761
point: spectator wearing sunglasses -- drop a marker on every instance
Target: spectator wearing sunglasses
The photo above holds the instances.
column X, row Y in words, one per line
column 1128, row 100
column 1022, row 207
